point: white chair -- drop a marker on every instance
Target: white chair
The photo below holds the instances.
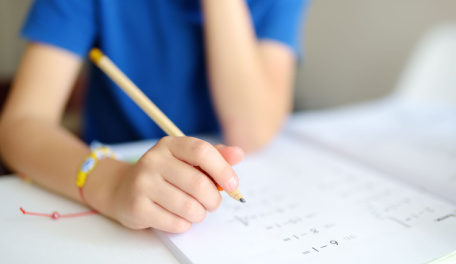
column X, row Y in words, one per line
column 430, row 75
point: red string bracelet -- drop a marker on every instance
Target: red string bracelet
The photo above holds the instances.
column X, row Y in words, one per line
column 56, row 215
column 86, row 168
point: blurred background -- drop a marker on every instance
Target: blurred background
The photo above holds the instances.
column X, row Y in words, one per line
column 355, row 50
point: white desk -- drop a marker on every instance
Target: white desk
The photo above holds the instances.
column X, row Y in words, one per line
column 28, row 239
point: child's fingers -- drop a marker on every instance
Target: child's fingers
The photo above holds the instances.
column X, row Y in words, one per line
column 201, row 153
column 145, row 213
column 232, row 155
column 162, row 219
column 178, row 202
column 195, row 183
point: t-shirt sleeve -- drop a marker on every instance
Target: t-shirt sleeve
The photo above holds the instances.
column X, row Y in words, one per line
column 68, row 24
column 282, row 22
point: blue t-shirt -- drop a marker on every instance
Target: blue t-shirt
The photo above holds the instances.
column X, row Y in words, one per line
column 159, row 44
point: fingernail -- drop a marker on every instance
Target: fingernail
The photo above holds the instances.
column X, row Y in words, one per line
column 232, row 184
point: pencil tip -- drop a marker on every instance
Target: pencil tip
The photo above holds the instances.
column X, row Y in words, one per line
column 242, row 200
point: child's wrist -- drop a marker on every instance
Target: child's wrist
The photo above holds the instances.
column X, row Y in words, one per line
column 99, row 190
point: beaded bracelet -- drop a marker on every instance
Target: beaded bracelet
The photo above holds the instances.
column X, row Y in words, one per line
column 89, row 165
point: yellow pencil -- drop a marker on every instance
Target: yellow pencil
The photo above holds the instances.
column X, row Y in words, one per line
column 110, row 69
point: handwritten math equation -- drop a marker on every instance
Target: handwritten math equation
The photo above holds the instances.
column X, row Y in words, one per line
column 322, row 248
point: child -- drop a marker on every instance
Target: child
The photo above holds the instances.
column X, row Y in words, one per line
column 205, row 63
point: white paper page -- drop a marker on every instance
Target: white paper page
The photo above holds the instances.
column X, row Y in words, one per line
column 307, row 206
column 416, row 143
column 132, row 151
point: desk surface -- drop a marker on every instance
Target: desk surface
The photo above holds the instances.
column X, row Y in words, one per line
column 88, row 239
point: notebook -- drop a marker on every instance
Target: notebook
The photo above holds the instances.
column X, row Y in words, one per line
column 374, row 183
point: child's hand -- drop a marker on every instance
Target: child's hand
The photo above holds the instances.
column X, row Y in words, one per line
column 166, row 191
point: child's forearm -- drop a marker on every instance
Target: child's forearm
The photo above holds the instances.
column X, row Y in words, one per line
column 51, row 156
column 162, row 190
column 251, row 83
column 43, row 152
column 31, row 140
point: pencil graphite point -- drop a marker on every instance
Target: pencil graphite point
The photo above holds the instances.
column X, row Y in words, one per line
column 242, row 200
